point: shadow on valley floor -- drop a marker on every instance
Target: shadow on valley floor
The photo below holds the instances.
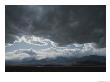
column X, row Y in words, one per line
column 50, row 68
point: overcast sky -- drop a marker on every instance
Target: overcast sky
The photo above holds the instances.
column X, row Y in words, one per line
column 42, row 31
column 62, row 24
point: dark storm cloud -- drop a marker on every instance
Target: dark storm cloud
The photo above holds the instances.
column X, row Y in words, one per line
column 63, row 24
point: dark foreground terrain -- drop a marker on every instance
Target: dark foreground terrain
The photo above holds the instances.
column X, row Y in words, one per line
column 84, row 64
column 55, row 69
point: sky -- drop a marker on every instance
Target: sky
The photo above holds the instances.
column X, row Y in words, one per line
column 37, row 32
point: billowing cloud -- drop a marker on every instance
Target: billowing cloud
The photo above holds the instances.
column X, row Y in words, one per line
column 38, row 48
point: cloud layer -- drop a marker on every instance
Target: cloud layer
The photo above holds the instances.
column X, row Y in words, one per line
column 63, row 24
column 38, row 48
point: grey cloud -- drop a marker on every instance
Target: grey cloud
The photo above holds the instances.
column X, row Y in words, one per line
column 62, row 24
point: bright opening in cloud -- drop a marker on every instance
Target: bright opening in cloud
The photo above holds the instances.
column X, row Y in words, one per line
column 37, row 48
